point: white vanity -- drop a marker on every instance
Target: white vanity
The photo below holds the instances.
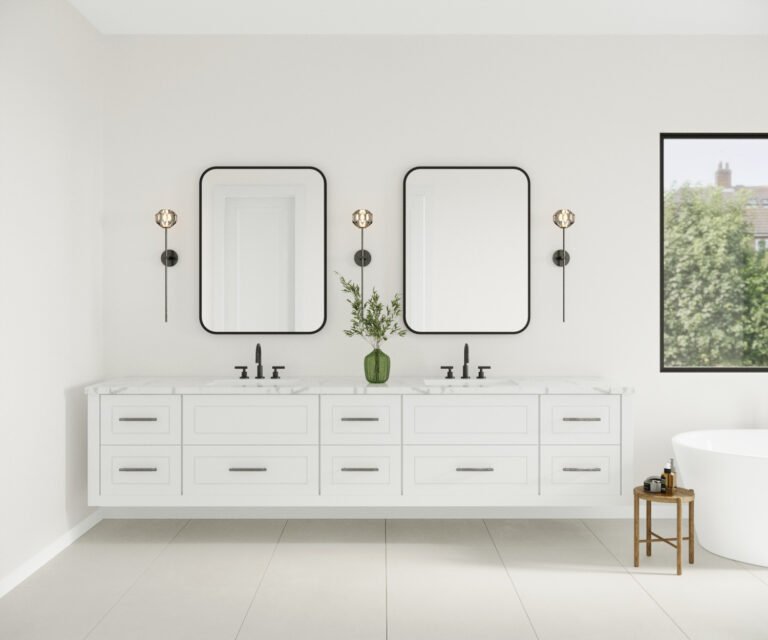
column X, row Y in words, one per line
column 338, row 442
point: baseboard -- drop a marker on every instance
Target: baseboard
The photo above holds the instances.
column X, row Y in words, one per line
column 21, row 573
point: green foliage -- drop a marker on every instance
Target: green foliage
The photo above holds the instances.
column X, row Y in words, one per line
column 372, row 320
column 715, row 283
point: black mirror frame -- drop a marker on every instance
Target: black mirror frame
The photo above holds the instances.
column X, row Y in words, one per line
column 325, row 253
column 405, row 308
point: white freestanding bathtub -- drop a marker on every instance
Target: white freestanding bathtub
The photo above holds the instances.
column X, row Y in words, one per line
column 728, row 470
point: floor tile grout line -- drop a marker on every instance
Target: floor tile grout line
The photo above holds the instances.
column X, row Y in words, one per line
column 136, row 580
column 745, row 567
column 511, row 581
column 749, row 570
column 634, row 577
column 742, row 565
column 261, row 580
column 386, row 584
column 765, row 582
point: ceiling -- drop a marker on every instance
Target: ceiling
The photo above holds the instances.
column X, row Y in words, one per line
column 412, row 17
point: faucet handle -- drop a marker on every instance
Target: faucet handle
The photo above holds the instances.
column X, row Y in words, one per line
column 481, row 372
column 243, row 372
column 449, row 374
column 276, row 372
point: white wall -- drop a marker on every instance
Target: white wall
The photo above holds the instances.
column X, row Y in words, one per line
column 50, row 262
column 581, row 115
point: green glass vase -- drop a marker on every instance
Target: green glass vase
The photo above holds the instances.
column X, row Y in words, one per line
column 376, row 365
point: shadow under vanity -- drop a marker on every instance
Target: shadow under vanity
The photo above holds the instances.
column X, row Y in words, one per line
column 341, row 442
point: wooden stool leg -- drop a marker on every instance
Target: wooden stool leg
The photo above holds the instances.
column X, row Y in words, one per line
column 679, row 537
column 648, row 544
column 637, row 531
column 690, row 532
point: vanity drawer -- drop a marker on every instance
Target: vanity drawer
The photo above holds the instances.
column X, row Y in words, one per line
column 581, row 419
column 360, row 419
column 249, row 470
column 467, row 419
column 256, row 419
column 140, row 420
column 354, row 470
column 141, row 471
column 480, row 471
column 590, row 470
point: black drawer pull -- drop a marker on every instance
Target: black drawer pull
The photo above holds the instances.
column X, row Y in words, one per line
column 582, row 419
column 359, row 468
column 136, row 469
column 359, row 419
column 474, row 468
column 247, row 468
column 137, row 419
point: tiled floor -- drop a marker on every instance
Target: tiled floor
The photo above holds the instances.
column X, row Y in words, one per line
column 370, row 579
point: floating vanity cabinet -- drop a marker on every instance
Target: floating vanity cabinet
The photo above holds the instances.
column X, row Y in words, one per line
column 250, row 445
column 360, row 452
column 149, row 471
column 471, row 445
column 579, row 419
column 247, row 470
column 581, row 445
column 141, row 420
column 471, row 419
column 338, row 443
column 140, row 450
column 250, row 419
column 498, row 472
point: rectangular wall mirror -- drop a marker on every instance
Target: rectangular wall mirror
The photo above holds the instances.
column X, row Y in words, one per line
column 262, row 250
column 466, row 249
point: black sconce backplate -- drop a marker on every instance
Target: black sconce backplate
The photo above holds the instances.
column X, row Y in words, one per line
column 561, row 258
column 169, row 258
column 362, row 258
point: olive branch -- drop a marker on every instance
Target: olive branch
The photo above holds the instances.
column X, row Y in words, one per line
column 372, row 320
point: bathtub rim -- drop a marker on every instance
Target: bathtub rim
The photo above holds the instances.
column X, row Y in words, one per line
column 677, row 439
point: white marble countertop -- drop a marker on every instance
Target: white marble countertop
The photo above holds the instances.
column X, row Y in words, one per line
column 354, row 385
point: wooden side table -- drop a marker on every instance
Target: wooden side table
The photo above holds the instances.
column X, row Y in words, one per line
column 677, row 496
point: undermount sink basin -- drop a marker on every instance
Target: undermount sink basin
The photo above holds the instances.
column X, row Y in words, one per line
column 474, row 382
column 252, row 382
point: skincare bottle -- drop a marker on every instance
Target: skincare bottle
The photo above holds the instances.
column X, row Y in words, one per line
column 672, row 477
column 665, row 483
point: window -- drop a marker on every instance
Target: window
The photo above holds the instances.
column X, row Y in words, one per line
column 714, row 283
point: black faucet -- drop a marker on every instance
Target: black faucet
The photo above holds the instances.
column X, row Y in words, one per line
column 465, row 368
column 259, row 369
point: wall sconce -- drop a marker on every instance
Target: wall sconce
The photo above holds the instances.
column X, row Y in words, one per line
column 563, row 218
column 165, row 218
column 362, row 219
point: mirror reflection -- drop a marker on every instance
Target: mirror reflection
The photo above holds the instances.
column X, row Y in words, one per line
column 466, row 249
column 262, row 249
